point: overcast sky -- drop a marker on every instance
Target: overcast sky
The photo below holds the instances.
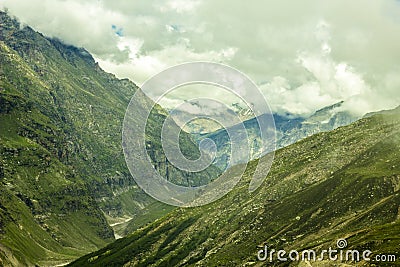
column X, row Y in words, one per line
column 304, row 55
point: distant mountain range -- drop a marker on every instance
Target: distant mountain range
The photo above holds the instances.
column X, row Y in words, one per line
column 289, row 129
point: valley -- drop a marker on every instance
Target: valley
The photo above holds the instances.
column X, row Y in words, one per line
column 339, row 184
column 68, row 198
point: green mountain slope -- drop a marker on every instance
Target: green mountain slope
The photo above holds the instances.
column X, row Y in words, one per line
column 339, row 184
column 62, row 170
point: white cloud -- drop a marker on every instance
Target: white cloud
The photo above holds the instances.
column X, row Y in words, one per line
column 141, row 67
column 306, row 54
column 328, row 83
column 129, row 44
column 180, row 6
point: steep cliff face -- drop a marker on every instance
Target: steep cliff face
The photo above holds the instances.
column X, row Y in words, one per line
column 62, row 170
column 46, row 203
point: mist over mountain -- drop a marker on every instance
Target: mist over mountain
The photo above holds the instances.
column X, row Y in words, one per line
column 289, row 129
column 67, row 196
column 303, row 56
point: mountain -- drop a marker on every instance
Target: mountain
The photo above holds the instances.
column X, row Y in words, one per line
column 339, row 184
column 200, row 126
column 65, row 190
column 289, row 129
column 63, row 177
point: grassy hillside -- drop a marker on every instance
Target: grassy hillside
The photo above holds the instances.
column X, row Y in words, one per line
column 339, row 184
column 62, row 170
